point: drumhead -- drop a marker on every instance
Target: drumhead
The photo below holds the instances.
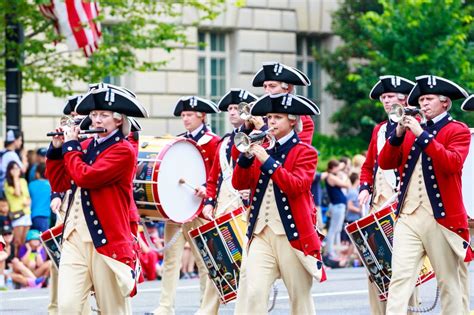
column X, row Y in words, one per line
column 468, row 179
column 181, row 160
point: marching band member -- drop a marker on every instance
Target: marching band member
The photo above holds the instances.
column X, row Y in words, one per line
column 283, row 241
column 220, row 195
column 98, row 249
column 59, row 204
column 432, row 219
column 277, row 78
column 192, row 110
column 382, row 184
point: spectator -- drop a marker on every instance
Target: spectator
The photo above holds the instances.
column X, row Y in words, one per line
column 149, row 257
column 32, row 268
column 13, row 142
column 188, row 263
column 4, row 210
column 40, row 191
column 337, row 206
column 18, row 197
column 33, row 255
column 31, row 158
column 357, row 162
column 7, row 255
column 354, row 213
column 40, row 157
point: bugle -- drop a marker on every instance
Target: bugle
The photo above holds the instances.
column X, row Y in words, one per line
column 243, row 142
column 397, row 113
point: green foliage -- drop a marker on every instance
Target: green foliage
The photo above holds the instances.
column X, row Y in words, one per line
column 128, row 27
column 407, row 38
column 330, row 147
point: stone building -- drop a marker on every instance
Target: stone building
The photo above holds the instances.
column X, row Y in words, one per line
column 236, row 44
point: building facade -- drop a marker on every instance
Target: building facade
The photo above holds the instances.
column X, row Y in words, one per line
column 231, row 50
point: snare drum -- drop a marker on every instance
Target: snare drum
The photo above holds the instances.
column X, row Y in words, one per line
column 468, row 181
column 51, row 240
column 220, row 243
column 162, row 163
column 373, row 238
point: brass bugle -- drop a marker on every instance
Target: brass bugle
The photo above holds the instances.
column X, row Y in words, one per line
column 397, row 113
column 82, row 132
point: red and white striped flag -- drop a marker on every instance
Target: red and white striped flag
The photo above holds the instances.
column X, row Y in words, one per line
column 76, row 21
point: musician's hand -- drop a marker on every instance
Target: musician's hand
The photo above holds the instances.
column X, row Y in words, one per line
column 257, row 122
column 58, row 140
column 72, row 134
column 244, row 194
column 200, row 192
column 259, row 152
column 400, row 130
column 55, row 204
column 208, row 212
column 363, row 197
column 411, row 123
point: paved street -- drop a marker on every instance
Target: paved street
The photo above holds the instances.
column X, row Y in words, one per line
column 344, row 293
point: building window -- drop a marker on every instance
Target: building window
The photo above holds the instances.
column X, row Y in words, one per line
column 305, row 61
column 212, row 69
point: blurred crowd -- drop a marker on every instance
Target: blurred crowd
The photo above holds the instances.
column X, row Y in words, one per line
column 336, row 193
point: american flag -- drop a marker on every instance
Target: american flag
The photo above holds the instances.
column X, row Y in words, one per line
column 76, row 21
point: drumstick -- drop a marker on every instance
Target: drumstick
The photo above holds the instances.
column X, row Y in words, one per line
column 182, row 181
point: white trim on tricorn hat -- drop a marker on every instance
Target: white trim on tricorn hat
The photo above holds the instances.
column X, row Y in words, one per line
column 195, row 104
column 102, row 85
column 431, row 84
column 235, row 96
column 468, row 104
column 275, row 71
column 108, row 97
column 135, row 125
column 285, row 103
column 391, row 84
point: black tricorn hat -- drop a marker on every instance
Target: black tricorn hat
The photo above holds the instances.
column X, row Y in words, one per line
column 235, row 96
column 391, row 84
column 195, row 104
column 113, row 98
column 284, row 103
column 71, row 104
column 274, row 71
column 468, row 104
column 85, row 123
column 430, row 84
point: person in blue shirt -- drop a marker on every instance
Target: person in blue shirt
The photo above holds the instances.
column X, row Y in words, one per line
column 40, row 191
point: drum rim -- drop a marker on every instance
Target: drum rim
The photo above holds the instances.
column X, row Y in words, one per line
column 219, row 221
column 156, row 173
column 368, row 219
column 52, row 232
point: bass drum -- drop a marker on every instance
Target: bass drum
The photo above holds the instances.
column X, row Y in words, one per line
column 169, row 168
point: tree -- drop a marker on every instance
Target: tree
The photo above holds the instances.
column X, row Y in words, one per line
column 407, row 38
column 128, row 26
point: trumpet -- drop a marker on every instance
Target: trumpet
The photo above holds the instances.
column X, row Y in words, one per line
column 244, row 110
column 397, row 113
column 243, row 142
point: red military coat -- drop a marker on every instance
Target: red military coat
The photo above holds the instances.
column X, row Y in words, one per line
column 306, row 135
column 214, row 179
column 369, row 168
column 443, row 148
column 291, row 168
column 104, row 174
column 134, row 217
